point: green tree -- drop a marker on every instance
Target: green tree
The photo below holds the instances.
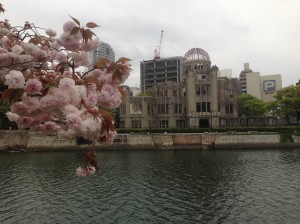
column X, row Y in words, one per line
column 148, row 92
column 249, row 106
column 287, row 103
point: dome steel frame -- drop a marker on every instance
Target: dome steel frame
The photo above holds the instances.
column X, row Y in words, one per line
column 196, row 54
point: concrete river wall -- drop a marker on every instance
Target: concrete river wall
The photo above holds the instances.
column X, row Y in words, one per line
column 27, row 141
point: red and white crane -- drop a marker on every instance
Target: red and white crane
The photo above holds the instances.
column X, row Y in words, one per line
column 157, row 49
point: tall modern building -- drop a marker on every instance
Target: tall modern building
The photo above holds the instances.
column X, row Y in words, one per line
column 153, row 72
column 104, row 51
column 262, row 87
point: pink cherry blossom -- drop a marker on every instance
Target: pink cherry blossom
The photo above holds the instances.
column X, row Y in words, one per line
column 93, row 125
column 90, row 170
column 66, row 83
column 31, row 102
column 33, row 86
column 25, row 122
column 12, row 116
column 83, row 172
column 29, row 48
column 67, row 74
column 91, row 100
column 20, row 108
column 4, row 31
column 15, row 80
column 61, row 57
column 51, row 32
column 47, row 128
column 91, row 88
column 74, row 121
column 111, row 136
column 70, row 109
column 40, row 55
column 81, row 58
column 68, row 26
column 109, row 97
column 17, row 49
column 62, row 98
column 49, row 102
column 54, row 95
column 5, row 42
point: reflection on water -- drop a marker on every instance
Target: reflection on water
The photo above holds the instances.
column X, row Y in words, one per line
column 220, row 186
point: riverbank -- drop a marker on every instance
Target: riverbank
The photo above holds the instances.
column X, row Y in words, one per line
column 28, row 141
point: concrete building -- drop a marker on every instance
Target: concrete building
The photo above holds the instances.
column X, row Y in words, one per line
column 158, row 71
column 200, row 99
column 104, row 51
column 262, row 87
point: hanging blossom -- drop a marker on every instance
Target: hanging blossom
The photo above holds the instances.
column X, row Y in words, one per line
column 48, row 92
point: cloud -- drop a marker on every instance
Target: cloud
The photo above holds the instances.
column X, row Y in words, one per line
column 264, row 33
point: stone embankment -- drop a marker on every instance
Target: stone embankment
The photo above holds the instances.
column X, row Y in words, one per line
column 27, row 141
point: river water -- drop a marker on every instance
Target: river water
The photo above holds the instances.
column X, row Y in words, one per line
column 218, row 186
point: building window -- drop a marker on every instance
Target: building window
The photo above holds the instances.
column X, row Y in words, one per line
column 177, row 108
column 163, row 108
column 136, row 108
column 136, row 124
column 229, row 108
column 203, row 90
column 180, row 123
column 149, row 109
column 198, row 90
column 203, row 106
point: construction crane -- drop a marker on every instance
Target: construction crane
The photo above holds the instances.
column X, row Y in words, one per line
column 157, row 49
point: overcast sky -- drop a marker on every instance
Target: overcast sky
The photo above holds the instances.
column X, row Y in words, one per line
column 264, row 33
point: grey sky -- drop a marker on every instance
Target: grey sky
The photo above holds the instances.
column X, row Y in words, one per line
column 264, row 33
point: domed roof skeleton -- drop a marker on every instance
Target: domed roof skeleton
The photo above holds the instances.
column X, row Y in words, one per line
column 196, row 54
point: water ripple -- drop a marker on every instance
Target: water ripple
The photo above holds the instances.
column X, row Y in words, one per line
column 229, row 186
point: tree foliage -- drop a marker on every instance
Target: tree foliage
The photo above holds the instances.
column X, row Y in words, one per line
column 249, row 106
column 286, row 101
column 149, row 92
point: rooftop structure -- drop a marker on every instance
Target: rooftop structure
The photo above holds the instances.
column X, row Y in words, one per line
column 196, row 54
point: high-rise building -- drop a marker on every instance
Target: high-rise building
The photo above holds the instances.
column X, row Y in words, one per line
column 153, row 72
column 262, row 87
column 104, row 51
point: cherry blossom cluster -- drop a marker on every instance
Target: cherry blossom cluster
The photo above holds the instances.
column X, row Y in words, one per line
column 51, row 84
